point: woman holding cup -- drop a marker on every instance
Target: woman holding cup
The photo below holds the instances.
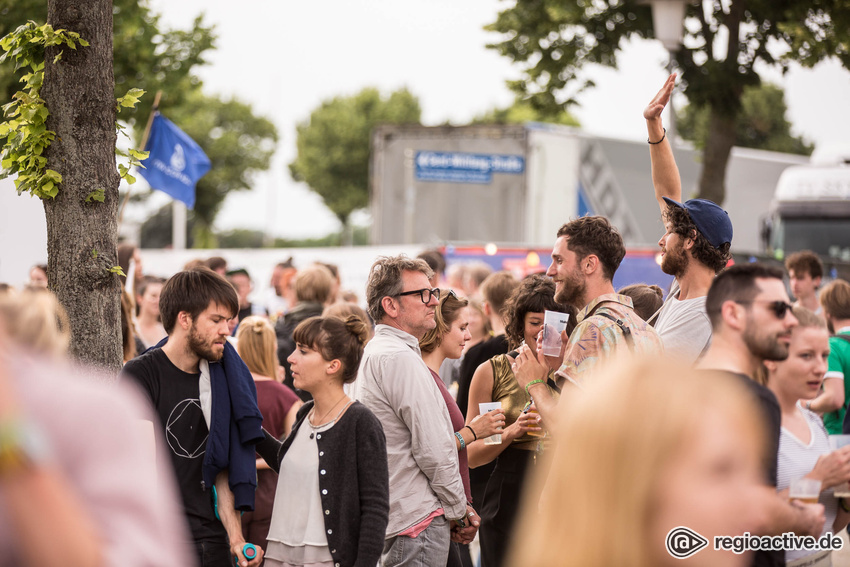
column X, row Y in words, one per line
column 804, row 447
column 446, row 341
column 494, row 381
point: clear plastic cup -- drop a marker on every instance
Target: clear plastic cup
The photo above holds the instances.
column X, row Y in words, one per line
column 487, row 407
column 805, row 490
column 554, row 323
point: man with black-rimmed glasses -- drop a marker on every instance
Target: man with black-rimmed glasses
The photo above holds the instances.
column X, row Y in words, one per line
column 428, row 506
column 751, row 322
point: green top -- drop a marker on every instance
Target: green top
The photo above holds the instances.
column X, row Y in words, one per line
column 839, row 366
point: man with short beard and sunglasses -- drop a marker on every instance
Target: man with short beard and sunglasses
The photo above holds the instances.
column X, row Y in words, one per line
column 695, row 245
column 206, row 401
column 751, row 322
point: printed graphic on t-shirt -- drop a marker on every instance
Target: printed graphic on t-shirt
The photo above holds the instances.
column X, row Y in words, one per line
column 184, row 436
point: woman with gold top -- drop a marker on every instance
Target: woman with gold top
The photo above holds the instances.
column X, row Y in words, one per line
column 494, row 381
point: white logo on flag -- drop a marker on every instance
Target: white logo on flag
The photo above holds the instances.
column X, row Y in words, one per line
column 178, row 158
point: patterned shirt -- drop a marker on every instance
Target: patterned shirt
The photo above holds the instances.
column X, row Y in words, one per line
column 597, row 337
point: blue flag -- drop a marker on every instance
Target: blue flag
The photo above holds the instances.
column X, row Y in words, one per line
column 175, row 162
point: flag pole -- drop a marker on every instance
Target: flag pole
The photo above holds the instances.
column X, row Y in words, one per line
column 145, row 137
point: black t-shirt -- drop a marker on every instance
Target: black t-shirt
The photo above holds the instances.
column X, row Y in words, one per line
column 772, row 417
column 175, row 396
column 477, row 355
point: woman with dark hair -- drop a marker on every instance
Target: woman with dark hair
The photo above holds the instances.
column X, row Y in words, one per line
column 494, row 381
column 332, row 504
column 446, row 341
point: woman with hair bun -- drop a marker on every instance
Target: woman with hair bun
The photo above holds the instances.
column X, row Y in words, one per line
column 332, row 504
column 279, row 404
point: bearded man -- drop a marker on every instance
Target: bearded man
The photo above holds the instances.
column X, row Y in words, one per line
column 207, row 406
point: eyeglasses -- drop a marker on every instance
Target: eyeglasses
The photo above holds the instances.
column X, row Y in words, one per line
column 779, row 307
column 425, row 294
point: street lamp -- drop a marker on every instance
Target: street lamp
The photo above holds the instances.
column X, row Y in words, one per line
column 668, row 21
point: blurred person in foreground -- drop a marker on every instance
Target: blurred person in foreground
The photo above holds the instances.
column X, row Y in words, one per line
column 804, row 450
column 77, row 487
column 206, row 406
column 332, row 500
column 636, row 458
column 833, row 400
column 751, row 322
column 805, row 273
column 447, row 341
column 279, row 405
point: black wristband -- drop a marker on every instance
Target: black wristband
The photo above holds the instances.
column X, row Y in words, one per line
column 659, row 141
column 474, row 435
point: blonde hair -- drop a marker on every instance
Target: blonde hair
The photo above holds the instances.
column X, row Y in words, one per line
column 445, row 315
column 314, row 284
column 36, row 320
column 614, row 440
column 256, row 344
column 835, row 299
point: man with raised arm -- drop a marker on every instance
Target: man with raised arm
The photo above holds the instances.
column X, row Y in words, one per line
column 695, row 245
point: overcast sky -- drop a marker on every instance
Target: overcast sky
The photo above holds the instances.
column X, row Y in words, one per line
column 286, row 57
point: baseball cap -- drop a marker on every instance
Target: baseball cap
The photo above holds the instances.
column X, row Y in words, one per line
column 710, row 219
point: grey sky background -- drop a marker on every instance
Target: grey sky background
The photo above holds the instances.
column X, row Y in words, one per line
column 286, row 57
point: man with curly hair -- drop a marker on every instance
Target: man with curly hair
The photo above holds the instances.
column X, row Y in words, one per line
column 694, row 248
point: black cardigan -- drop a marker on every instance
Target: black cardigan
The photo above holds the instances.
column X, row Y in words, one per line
column 353, row 481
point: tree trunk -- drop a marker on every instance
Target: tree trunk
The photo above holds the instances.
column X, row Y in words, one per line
column 715, row 156
column 82, row 237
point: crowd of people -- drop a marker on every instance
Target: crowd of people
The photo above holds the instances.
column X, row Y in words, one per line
column 433, row 428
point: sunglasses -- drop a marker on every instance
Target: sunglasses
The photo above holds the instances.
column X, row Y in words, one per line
column 779, row 307
column 425, row 294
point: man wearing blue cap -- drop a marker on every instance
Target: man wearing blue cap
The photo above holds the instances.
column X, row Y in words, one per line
column 694, row 247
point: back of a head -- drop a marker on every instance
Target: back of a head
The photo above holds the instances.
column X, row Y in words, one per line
column 805, row 262
column 835, row 299
column 736, row 283
column 595, row 235
column 647, row 299
column 335, row 339
column 313, row 284
column 257, row 346
column 216, row 264
column 497, row 289
column 344, row 310
column 36, row 321
column 385, row 280
column 614, row 442
column 193, row 291
column 475, row 275
column 435, row 260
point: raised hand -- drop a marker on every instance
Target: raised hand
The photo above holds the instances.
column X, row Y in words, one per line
column 660, row 100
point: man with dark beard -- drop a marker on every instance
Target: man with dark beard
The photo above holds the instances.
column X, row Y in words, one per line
column 208, row 412
column 586, row 255
column 694, row 247
column 751, row 320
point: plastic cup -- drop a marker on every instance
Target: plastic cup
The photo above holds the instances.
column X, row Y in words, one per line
column 554, row 323
column 805, row 489
column 487, row 407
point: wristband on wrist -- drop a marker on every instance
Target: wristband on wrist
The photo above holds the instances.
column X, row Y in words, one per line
column 659, row 141
column 532, row 383
column 462, row 442
column 474, row 435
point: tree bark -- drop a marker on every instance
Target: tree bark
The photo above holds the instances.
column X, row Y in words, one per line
column 82, row 237
column 715, row 156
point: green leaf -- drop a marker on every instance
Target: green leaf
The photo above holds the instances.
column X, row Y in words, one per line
column 98, row 195
column 117, row 270
column 130, row 179
column 57, row 58
column 93, row 253
column 139, row 155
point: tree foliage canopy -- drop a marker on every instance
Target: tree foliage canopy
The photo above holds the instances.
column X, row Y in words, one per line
column 334, row 145
column 762, row 124
column 551, row 40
